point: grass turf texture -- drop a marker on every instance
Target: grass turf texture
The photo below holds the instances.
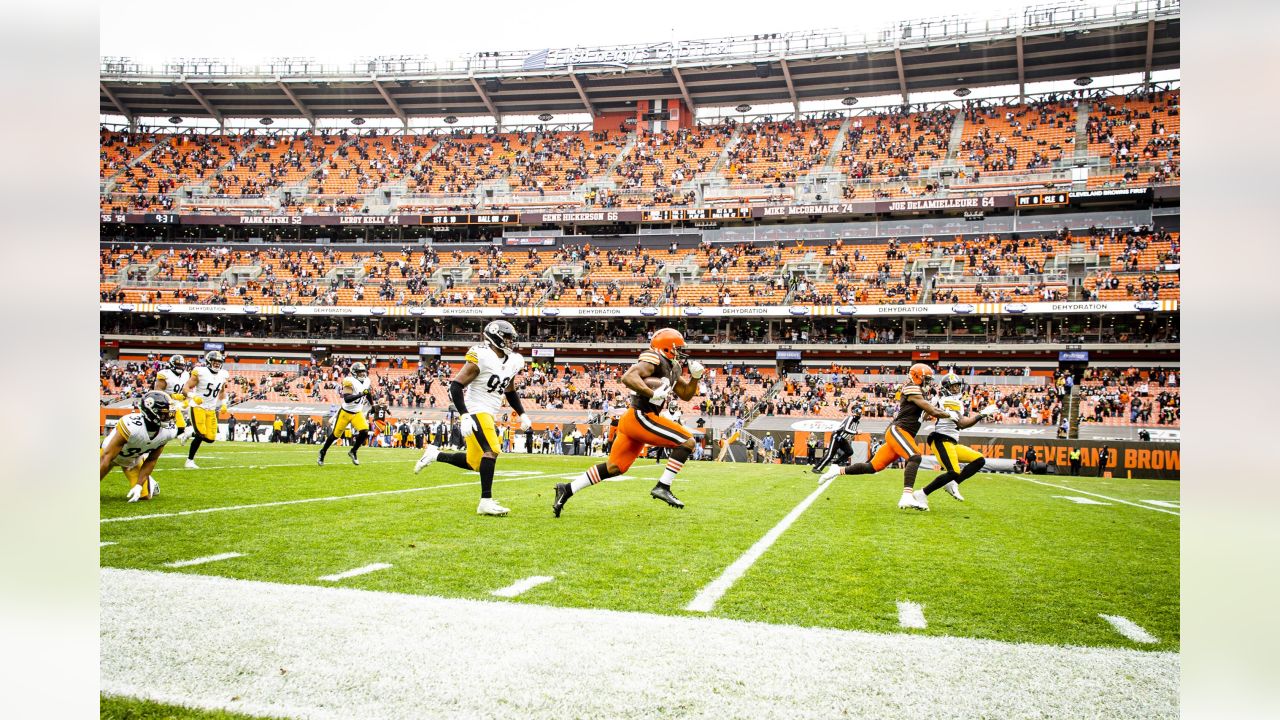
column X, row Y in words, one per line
column 1012, row 563
column 121, row 708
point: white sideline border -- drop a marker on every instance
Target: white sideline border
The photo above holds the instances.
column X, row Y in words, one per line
column 1104, row 497
column 706, row 599
column 220, row 643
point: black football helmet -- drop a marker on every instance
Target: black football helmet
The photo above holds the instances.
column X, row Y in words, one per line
column 177, row 363
column 501, row 335
column 214, row 359
column 156, row 408
column 359, row 370
column 952, row 384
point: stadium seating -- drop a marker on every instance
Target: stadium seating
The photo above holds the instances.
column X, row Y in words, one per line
column 991, row 269
column 883, row 154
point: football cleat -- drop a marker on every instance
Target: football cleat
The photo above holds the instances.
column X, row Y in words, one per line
column 320, row 459
column 428, row 456
column 489, row 506
column 663, row 493
column 829, row 475
column 352, row 454
column 191, row 465
column 563, row 493
column 153, row 487
column 953, row 489
column 913, row 500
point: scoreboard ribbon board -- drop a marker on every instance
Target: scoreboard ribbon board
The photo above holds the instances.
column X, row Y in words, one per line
column 680, row 214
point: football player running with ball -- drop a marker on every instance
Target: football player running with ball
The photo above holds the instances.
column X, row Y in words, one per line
column 173, row 380
column 945, row 439
column 357, row 398
column 653, row 379
column 135, row 443
column 205, row 391
column 900, row 438
column 487, row 376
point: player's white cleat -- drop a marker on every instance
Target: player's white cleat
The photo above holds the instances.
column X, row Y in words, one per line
column 489, row 506
column 953, row 490
column 135, row 493
column 153, row 487
column 913, row 500
column 428, row 456
column 191, row 465
column 829, row 475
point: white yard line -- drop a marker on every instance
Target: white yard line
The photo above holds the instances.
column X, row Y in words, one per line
column 1081, row 500
column 284, row 650
column 520, row 587
column 708, row 596
column 203, row 560
column 354, row 572
column 1104, row 497
column 1130, row 629
column 328, row 463
column 911, row 615
column 1174, row 504
column 330, row 498
column 106, row 543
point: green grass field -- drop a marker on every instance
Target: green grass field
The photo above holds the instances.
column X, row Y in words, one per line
column 1014, row 562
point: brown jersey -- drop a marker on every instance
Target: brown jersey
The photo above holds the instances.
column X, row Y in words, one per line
column 664, row 369
column 909, row 414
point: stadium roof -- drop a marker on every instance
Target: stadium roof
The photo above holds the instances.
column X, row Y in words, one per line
column 1044, row 44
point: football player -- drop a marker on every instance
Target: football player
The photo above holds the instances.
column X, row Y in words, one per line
column 900, row 437
column 206, row 392
column 136, row 442
column 945, row 439
column 173, row 380
column 486, row 377
column 643, row 424
column 841, row 448
column 357, row 398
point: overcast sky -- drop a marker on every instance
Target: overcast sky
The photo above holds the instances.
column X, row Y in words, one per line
column 250, row 31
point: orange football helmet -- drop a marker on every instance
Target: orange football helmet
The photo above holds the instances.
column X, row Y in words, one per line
column 670, row 343
column 920, row 374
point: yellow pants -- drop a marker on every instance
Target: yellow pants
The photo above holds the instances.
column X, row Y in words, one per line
column 483, row 440
column 179, row 421
column 952, row 456
column 134, row 476
column 206, row 422
column 345, row 419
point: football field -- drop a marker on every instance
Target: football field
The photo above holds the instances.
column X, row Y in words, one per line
column 1082, row 568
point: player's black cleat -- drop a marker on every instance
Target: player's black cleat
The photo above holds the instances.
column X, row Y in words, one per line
column 563, row 493
column 663, row 493
column 354, row 460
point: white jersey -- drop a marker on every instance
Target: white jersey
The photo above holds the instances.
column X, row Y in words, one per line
column 137, row 443
column 947, row 426
column 485, row 393
column 350, row 385
column 209, row 386
column 174, row 383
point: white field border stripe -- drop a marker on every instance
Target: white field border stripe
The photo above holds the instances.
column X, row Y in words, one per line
column 355, row 571
column 209, row 639
column 522, row 586
column 1104, row 497
column 708, row 596
column 911, row 615
column 203, row 560
column 1130, row 629
column 329, row 498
